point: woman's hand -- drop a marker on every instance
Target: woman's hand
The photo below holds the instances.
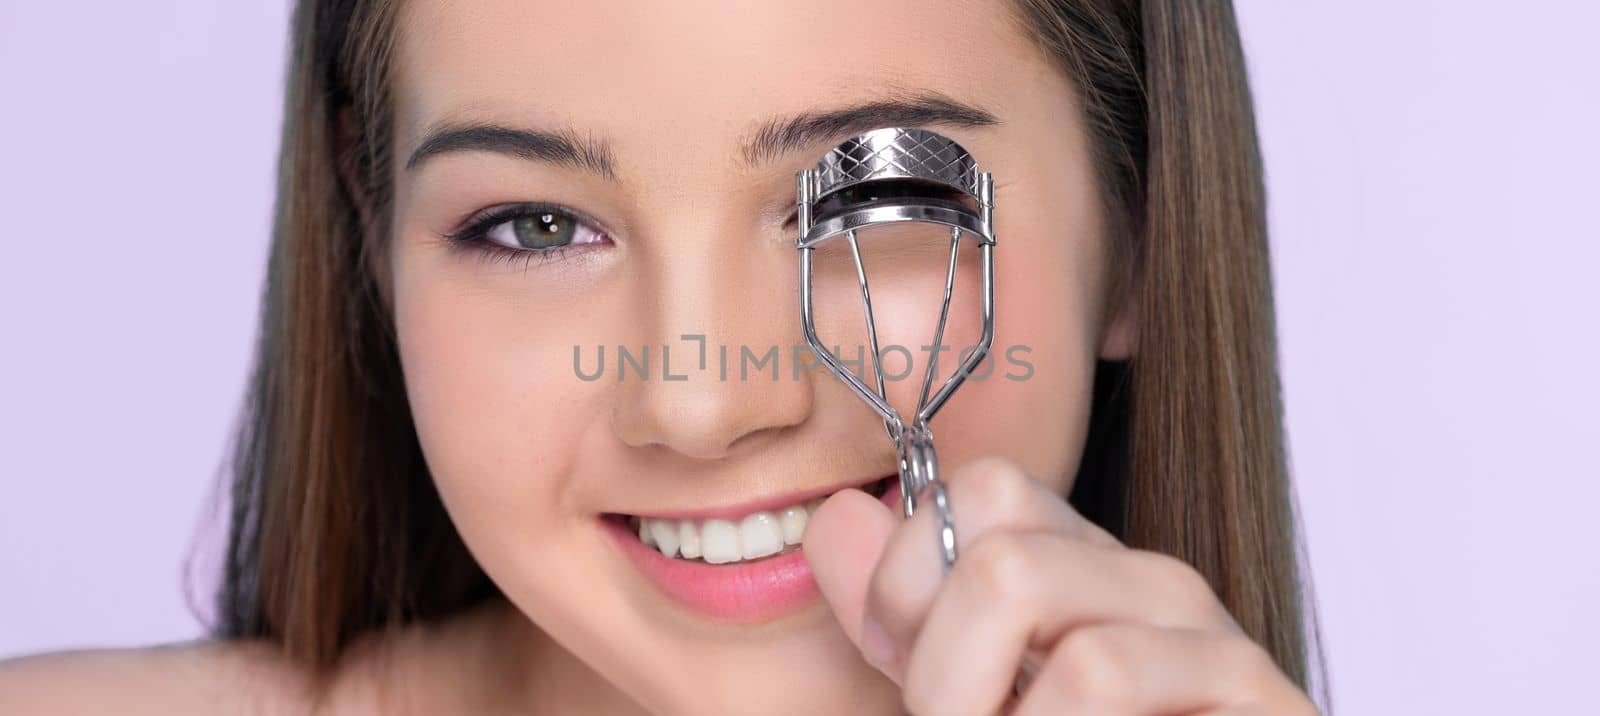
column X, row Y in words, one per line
column 1104, row 628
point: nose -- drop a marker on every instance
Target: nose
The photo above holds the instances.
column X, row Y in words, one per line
column 726, row 313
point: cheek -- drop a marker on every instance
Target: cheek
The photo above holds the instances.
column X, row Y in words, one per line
column 481, row 382
column 1030, row 399
column 502, row 419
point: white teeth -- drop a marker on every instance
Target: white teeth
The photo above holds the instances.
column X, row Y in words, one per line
column 688, row 539
column 760, row 535
column 793, row 520
column 719, row 541
column 666, row 536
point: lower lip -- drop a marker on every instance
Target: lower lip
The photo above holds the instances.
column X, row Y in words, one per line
column 748, row 592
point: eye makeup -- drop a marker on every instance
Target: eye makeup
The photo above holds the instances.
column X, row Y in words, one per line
column 527, row 232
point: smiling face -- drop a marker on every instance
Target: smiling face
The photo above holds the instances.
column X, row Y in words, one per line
column 624, row 198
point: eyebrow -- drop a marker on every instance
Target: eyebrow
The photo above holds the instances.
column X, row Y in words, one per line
column 770, row 141
column 563, row 148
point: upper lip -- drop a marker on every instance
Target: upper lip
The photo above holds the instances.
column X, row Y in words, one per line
column 761, row 504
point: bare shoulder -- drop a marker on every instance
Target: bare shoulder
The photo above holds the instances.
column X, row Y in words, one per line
column 195, row 677
column 424, row 668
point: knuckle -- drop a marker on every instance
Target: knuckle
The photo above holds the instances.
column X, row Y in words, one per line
column 992, row 486
column 1251, row 658
column 1092, row 667
column 1252, row 662
column 1177, row 578
column 999, row 564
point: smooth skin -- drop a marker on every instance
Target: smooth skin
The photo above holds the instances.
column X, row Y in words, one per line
column 696, row 241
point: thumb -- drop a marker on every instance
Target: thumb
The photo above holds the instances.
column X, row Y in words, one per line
column 843, row 540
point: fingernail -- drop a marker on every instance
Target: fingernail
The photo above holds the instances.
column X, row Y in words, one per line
column 876, row 645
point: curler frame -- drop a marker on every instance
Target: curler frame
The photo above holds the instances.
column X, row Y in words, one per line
column 912, row 158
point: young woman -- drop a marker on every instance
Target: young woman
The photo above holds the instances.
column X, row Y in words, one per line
column 437, row 510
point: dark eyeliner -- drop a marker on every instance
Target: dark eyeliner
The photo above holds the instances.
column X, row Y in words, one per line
column 472, row 237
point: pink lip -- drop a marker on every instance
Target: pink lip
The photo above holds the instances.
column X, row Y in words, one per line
column 738, row 511
column 741, row 591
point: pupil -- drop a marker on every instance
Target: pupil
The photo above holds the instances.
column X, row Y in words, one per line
column 543, row 231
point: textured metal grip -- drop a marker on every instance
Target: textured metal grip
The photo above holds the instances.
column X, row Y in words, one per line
column 897, row 153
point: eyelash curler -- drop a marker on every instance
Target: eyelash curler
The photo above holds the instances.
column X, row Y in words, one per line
column 887, row 176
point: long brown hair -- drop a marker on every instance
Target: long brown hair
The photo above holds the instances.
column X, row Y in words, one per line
column 336, row 528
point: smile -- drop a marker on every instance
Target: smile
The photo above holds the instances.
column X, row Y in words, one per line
column 730, row 537
column 740, row 564
column 754, row 535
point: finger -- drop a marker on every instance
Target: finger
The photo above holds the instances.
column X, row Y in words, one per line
column 984, row 496
column 1013, row 592
column 842, row 543
column 1140, row 669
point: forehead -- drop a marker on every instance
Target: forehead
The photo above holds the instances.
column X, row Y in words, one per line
column 691, row 75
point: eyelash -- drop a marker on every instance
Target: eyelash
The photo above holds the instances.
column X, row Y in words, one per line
column 474, row 236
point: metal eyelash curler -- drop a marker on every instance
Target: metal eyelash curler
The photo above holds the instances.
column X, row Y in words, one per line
column 883, row 177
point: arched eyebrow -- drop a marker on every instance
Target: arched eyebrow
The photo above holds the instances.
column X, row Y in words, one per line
column 561, row 147
column 770, row 140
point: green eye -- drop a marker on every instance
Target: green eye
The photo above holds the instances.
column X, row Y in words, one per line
column 537, row 228
column 543, row 230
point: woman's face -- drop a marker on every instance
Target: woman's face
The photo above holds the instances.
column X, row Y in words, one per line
column 641, row 126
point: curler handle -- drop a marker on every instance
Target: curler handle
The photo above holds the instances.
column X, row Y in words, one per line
column 919, row 473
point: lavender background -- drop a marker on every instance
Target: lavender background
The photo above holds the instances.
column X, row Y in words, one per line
column 1432, row 168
